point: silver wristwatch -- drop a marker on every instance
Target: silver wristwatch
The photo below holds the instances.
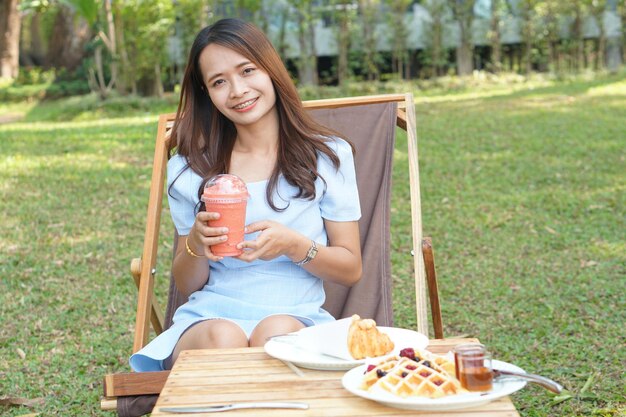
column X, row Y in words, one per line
column 309, row 255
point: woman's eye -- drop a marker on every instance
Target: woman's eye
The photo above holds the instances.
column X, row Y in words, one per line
column 248, row 70
column 217, row 83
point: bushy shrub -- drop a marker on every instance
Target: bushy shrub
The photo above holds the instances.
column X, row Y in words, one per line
column 35, row 75
column 67, row 88
column 14, row 92
column 39, row 84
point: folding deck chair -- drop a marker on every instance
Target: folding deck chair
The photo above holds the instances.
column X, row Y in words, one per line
column 370, row 124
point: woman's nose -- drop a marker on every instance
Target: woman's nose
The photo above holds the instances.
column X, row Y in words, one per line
column 238, row 87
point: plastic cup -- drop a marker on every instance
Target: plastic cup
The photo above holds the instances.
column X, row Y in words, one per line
column 227, row 195
column 473, row 367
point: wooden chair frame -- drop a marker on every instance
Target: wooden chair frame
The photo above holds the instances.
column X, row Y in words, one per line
column 143, row 270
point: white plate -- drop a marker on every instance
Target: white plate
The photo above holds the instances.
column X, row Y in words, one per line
column 312, row 360
column 502, row 387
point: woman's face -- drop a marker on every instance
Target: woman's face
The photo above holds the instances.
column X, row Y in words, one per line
column 238, row 88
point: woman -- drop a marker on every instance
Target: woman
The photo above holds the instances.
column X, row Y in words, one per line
column 240, row 114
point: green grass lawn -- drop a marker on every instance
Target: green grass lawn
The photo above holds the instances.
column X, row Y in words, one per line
column 523, row 191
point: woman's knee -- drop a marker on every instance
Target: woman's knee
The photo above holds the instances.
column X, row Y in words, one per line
column 225, row 334
column 211, row 334
column 272, row 326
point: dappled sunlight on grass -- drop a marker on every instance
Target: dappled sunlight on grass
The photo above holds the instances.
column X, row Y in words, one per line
column 522, row 191
column 72, row 125
column 613, row 251
column 612, row 89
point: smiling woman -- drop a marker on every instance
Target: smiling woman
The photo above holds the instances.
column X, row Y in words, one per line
column 240, row 114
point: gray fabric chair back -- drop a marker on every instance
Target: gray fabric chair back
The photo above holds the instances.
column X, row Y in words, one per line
column 371, row 129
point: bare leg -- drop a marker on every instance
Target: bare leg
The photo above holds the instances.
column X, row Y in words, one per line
column 211, row 334
column 273, row 325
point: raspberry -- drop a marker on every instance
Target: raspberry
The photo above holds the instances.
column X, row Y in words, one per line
column 370, row 367
column 408, row 353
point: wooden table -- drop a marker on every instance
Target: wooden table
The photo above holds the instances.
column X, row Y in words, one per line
column 220, row 376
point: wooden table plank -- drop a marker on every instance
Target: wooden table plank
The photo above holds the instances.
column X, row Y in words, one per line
column 219, row 376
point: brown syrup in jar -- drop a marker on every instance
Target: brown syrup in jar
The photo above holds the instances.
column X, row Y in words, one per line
column 476, row 378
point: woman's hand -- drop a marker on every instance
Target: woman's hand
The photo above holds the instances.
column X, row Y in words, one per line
column 202, row 236
column 274, row 240
column 338, row 262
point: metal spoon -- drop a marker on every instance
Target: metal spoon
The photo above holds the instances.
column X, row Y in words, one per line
column 537, row 379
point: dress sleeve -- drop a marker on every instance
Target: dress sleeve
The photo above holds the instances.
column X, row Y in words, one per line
column 182, row 193
column 340, row 201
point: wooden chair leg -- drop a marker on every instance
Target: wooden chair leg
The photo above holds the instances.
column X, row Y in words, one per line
column 433, row 290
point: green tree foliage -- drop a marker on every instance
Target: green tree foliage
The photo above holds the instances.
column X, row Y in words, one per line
column 369, row 19
column 399, row 33
column 345, row 13
column 307, row 62
column 435, row 52
column 147, row 44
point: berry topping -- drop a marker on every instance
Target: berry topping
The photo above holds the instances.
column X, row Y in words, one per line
column 426, row 363
column 404, row 374
column 411, row 367
column 380, row 373
column 370, row 367
column 408, row 353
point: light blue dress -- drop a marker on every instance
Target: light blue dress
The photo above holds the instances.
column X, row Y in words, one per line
column 245, row 293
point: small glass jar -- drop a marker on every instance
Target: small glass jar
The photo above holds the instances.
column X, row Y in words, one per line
column 473, row 367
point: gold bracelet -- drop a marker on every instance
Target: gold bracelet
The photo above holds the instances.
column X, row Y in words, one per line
column 189, row 251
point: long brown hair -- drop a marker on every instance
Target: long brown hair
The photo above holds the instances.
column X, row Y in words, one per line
column 206, row 138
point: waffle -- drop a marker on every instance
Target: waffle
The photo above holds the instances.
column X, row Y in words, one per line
column 406, row 377
column 365, row 340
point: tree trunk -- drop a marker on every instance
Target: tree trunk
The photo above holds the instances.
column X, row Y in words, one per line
column 282, row 34
column 464, row 15
column 464, row 59
column 435, row 38
column 464, row 51
column 158, row 84
column 124, row 78
column 313, row 55
column 111, row 44
column 343, row 42
column 438, row 57
column 580, row 45
column 552, row 39
column 36, row 43
column 528, row 55
column 305, row 73
column 494, row 38
column 66, row 48
column 623, row 16
column 601, row 52
column 527, row 37
column 10, row 22
column 368, row 11
column 100, row 82
column 399, row 34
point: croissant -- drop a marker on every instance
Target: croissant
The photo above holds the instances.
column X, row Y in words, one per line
column 365, row 340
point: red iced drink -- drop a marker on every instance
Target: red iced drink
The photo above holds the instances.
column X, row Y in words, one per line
column 227, row 195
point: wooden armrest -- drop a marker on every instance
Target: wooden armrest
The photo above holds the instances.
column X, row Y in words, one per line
column 134, row 383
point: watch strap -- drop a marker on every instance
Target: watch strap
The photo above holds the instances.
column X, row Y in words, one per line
column 310, row 255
